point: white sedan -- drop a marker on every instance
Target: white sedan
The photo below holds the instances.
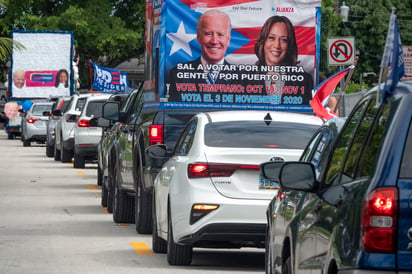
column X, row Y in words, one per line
column 210, row 193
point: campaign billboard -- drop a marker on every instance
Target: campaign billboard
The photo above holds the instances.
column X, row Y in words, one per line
column 235, row 54
column 44, row 67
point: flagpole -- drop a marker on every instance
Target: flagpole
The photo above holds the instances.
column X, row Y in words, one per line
column 346, row 84
column 385, row 57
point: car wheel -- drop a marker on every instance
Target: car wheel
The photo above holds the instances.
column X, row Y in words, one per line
column 110, row 194
column 177, row 254
column 79, row 161
column 99, row 176
column 143, row 210
column 268, row 254
column 10, row 136
column 67, row 156
column 159, row 245
column 287, row 266
column 26, row 142
column 56, row 153
column 104, row 194
column 123, row 204
column 49, row 150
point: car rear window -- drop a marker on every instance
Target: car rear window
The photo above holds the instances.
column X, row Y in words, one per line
column 39, row 109
column 94, row 108
column 257, row 134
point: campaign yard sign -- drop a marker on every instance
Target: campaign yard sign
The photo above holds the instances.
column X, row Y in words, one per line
column 178, row 76
column 44, row 67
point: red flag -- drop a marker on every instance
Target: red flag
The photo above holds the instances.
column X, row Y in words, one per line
column 323, row 91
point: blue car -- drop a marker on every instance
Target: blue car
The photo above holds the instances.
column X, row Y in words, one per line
column 346, row 206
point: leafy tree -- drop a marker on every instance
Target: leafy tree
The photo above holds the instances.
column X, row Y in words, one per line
column 105, row 31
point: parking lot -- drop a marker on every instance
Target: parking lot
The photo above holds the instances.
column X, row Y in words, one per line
column 51, row 221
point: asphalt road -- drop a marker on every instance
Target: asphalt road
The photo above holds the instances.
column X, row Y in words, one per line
column 51, row 221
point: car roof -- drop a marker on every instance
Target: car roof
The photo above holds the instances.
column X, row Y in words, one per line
column 279, row 116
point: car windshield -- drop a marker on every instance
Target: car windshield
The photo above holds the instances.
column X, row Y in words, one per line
column 257, row 134
column 39, row 109
column 94, row 108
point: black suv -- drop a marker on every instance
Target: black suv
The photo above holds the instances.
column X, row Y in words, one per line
column 131, row 172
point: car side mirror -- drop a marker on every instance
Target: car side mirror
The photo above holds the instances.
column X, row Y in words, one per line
column 102, row 122
column 270, row 170
column 157, row 155
column 57, row 112
column 110, row 110
column 299, row 176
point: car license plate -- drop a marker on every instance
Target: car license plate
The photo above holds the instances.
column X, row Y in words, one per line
column 267, row 184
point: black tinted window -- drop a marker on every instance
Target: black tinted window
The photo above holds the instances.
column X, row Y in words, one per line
column 256, row 134
column 343, row 144
column 374, row 144
column 94, row 108
column 186, row 140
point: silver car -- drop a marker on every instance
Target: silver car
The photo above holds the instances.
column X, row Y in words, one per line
column 87, row 137
column 59, row 104
column 64, row 134
column 33, row 123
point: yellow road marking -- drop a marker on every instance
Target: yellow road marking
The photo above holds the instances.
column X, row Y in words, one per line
column 141, row 248
column 80, row 172
column 90, row 187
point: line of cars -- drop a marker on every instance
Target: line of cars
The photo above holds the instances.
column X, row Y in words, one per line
column 65, row 125
column 331, row 197
column 191, row 178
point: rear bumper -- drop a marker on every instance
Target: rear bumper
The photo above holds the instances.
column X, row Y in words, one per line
column 228, row 235
column 89, row 151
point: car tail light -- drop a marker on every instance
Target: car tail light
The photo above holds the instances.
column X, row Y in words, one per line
column 32, row 120
column 379, row 218
column 155, row 134
column 83, row 123
column 198, row 170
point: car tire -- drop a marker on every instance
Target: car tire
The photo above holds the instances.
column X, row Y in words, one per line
column 79, row 161
column 159, row 245
column 143, row 210
column 66, row 155
column 177, row 254
column 49, row 150
column 268, row 253
column 26, row 142
column 123, row 204
column 105, row 194
column 110, row 194
column 99, row 176
column 56, row 153
column 287, row 266
column 10, row 136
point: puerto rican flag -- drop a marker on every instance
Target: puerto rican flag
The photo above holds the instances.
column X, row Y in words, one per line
column 247, row 18
column 323, row 91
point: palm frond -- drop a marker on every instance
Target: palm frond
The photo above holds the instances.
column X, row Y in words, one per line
column 6, row 46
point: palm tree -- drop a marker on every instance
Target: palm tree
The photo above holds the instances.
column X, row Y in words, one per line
column 6, row 44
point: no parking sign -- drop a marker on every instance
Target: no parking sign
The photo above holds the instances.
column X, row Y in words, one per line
column 341, row 51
